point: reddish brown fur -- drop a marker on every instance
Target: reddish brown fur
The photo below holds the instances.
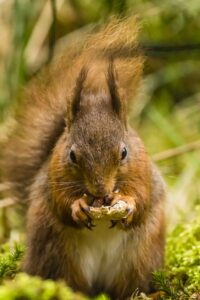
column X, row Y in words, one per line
column 82, row 104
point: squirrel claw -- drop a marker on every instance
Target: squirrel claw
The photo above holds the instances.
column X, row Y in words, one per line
column 80, row 209
column 113, row 224
column 129, row 212
column 127, row 221
column 89, row 225
column 85, row 209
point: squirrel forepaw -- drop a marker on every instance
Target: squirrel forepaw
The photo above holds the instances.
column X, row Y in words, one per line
column 80, row 208
column 126, row 221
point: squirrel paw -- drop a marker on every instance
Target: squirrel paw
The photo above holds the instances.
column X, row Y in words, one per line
column 126, row 221
column 80, row 208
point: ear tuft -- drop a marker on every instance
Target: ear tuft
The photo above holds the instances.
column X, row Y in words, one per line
column 112, row 84
column 118, row 104
column 76, row 100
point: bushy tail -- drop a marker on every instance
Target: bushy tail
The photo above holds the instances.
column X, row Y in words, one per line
column 117, row 40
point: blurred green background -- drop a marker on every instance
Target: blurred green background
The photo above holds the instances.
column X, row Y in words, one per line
column 167, row 113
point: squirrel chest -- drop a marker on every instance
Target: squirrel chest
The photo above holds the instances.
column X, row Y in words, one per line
column 100, row 254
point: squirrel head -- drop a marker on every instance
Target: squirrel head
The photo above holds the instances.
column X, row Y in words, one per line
column 96, row 133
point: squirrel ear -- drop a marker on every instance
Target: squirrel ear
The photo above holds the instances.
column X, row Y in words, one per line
column 118, row 104
column 75, row 103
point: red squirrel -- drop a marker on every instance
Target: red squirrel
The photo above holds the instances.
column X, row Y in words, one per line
column 73, row 145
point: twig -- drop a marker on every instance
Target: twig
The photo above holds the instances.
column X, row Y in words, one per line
column 7, row 202
column 33, row 51
column 167, row 49
column 52, row 33
column 5, row 224
column 176, row 151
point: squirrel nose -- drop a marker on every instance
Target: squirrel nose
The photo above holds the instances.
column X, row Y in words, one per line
column 97, row 192
column 98, row 188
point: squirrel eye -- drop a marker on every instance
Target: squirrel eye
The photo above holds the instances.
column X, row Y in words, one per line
column 123, row 153
column 73, row 157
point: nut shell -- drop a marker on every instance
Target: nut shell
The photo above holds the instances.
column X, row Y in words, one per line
column 114, row 212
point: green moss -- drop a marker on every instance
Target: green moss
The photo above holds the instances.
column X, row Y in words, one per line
column 181, row 278
column 24, row 287
column 32, row 288
column 10, row 258
column 183, row 254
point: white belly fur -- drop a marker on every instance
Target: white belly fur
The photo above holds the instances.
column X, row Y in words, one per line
column 101, row 253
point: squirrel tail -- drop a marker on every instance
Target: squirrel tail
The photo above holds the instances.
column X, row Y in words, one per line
column 118, row 40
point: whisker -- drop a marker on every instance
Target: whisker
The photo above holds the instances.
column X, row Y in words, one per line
column 68, row 189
